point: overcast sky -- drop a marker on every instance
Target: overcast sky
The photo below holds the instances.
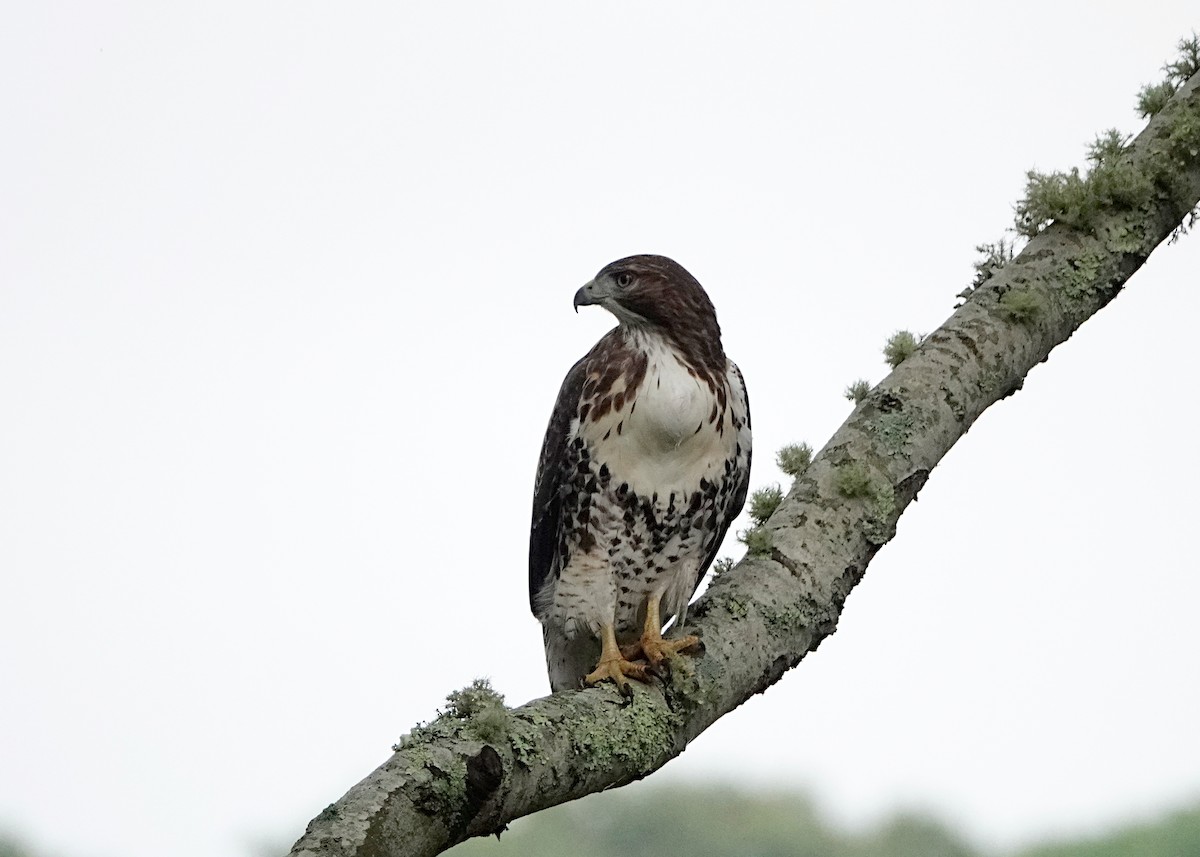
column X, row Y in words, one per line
column 285, row 300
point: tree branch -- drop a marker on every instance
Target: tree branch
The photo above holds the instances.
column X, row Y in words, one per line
column 480, row 765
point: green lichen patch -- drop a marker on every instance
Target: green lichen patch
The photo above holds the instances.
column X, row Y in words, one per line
column 853, row 480
column 785, row 618
column 525, row 735
column 1021, row 306
column 1183, row 151
column 857, row 391
column 734, row 606
column 794, row 458
column 880, row 523
column 437, row 779
column 636, row 741
column 1081, row 276
column 1125, row 234
column 430, row 733
column 688, row 690
column 524, row 745
column 1183, row 140
column 894, row 430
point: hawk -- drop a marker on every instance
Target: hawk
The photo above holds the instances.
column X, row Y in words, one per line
column 644, row 466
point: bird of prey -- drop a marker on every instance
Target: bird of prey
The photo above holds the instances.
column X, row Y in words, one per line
column 644, row 466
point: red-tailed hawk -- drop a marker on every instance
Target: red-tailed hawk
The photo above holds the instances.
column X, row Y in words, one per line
column 644, row 466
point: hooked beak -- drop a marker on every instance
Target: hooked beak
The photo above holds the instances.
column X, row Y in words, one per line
column 583, row 297
column 592, row 293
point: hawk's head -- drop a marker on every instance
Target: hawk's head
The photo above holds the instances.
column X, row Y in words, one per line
column 649, row 291
column 654, row 293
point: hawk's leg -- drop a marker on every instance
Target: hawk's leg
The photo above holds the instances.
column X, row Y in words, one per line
column 613, row 665
column 652, row 646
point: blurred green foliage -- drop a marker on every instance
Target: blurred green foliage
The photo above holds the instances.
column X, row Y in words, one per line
column 10, row 848
column 656, row 820
column 1176, row 835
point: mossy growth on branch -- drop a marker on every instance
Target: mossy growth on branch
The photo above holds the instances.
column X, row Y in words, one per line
column 1107, row 147
column 1021, row 305
column 995, row 256
column 853, row 480
column 477, row 708
column 1183, row 140
column 764, row 502
column 757, row 540
column 1188, row 61
column 1078, row 200
column 471, row 700
column 900, row 346
column 721, row 566
column 482, row 706
column 1154, row 96
column 1113, row 182
column 857, row 391
column 794, row 458
column 1183, row 144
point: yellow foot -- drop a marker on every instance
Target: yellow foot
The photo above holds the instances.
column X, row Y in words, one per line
column 616, row 669
column 655, row 649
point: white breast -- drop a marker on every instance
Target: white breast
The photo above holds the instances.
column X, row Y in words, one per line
column 671, row 404
column 663, row 439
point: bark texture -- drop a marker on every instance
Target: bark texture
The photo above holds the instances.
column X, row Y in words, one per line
column 481, row 765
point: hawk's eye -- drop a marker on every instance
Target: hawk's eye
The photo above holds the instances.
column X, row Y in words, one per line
column 624, row 279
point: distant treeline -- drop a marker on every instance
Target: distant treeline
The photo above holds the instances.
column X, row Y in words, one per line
column 662, row 820
column 654, row 820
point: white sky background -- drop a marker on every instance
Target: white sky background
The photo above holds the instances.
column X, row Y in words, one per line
column 285, row 300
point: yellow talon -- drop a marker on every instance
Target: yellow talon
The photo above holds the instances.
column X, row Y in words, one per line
column 653, row 646
column 619, row 663
column 613, row 665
